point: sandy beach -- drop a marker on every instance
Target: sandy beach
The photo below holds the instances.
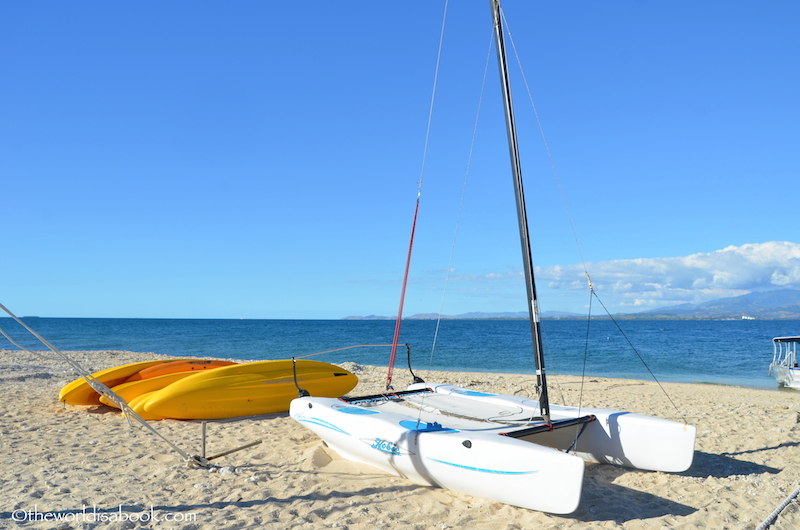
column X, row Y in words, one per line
column 70, row 467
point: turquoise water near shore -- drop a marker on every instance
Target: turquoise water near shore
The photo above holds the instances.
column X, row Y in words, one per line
column 720, row 352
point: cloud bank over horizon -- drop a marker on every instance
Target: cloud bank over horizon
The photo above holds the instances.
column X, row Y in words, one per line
column 646, row 283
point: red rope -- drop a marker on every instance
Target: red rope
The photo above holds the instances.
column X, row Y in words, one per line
column 402, row 299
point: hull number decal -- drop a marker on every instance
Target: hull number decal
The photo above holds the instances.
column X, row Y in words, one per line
column 386, row 446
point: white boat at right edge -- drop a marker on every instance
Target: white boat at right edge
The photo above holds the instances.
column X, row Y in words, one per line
column 510, row 449
column 784, row 361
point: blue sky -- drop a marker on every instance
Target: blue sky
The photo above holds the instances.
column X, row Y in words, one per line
column 261, row 159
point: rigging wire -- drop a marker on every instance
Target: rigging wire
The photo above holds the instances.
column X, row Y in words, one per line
column 23, row 348
column 463, row 194
column 340, row 349
column 399, row 321
column 585, row 355
column 416, row 208
column 592, row 292
column 619, row 328
column 547, row 148
column 102, row 389
column 578, row 429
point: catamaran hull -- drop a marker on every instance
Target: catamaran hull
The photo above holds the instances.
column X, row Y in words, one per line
column 619, row 438
column 481, row 463
column 626, row 439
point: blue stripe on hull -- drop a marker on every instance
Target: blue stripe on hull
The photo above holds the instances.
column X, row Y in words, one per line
column 495, row 471
column 323, row 423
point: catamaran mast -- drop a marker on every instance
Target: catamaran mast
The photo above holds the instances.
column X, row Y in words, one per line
column 522, row 218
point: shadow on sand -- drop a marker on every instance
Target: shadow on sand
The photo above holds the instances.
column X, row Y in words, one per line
column 721, row 465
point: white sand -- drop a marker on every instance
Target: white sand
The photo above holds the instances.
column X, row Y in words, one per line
column 56, row 459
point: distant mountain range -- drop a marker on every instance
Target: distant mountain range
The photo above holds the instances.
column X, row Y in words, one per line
column 783, row 304
column 770, row 305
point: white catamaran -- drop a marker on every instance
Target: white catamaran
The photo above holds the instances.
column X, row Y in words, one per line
column 511, row 449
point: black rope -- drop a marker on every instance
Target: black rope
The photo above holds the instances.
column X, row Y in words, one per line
column 585, row 350
column 574, row 443
column 416, row 379
column 301, row 392
column 579, row 431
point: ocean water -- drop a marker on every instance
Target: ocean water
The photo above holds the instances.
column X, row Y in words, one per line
column 722, row 352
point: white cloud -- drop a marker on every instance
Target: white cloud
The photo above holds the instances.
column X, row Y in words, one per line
column 654, row 282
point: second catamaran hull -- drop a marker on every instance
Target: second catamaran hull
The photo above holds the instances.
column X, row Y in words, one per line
column 616, row 437
column 477, row 462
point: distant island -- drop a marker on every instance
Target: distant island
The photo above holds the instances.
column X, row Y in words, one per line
column 783, row 304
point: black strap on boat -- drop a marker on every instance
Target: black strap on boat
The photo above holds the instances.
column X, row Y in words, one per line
column 547, row 427
column 301, row 392
column 385, row 397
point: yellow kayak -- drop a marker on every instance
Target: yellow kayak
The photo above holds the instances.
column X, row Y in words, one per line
column 263, row 387
column 79, row 392
column 137, row 404
column 132, row 389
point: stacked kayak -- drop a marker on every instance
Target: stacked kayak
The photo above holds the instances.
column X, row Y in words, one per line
column 158, row 376
column 196, row 389
column 79, row 392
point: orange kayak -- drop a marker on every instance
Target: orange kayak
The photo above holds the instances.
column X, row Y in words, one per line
column 79, row 392
column 184, row 365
